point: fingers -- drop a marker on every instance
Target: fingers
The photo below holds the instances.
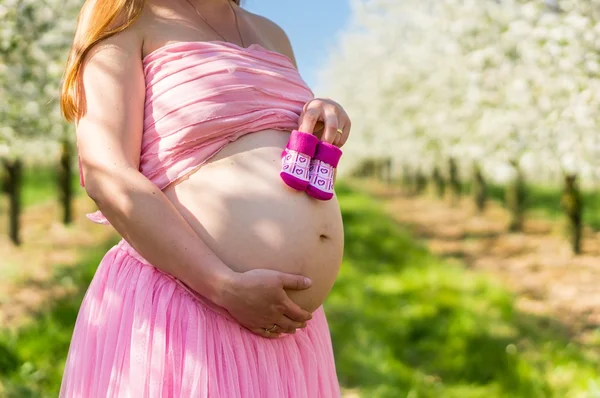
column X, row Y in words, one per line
column 286, row 325
column 340, row 139
column 309, row 118
column 329, row 114
column 294, row 282
column 269, row 335
column 331, row 125
column 275, row 334
column 295, row 313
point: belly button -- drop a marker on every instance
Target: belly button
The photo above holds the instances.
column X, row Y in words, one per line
column 323, row 237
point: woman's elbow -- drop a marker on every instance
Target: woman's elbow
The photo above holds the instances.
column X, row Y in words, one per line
column 95, row 191
column 102, row 184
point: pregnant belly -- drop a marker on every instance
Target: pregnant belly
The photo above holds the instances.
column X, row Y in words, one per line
column 240, row 207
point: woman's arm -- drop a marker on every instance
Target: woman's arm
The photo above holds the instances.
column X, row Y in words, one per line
column 109, row 138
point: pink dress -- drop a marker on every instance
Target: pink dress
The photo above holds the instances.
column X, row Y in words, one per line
column 140, row 332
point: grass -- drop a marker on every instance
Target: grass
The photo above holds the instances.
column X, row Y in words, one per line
column 40, row 184
column 545, row 201
column 32, row 359
column 404, row 324
column 408, row 324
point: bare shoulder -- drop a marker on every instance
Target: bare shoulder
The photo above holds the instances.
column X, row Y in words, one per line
column 274, row 34
column 112, row 102
column 125, row 44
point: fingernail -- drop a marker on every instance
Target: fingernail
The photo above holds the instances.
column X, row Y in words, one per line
column 307, row 281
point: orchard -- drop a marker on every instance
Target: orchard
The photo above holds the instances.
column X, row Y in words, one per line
column 34, row 39
column 471, row 93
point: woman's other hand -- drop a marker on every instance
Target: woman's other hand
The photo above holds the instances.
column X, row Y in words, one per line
column 322, row 114
column 257, row 300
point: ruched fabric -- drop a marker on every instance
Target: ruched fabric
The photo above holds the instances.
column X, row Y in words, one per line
column 202, row 95
column 142, row 333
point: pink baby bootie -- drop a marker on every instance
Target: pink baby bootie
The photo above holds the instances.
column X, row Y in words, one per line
column 296, row 159
column 325, row 160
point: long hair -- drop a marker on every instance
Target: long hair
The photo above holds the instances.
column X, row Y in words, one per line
column 108, row 17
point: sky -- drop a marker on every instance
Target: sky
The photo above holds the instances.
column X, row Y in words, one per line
column 312, row 26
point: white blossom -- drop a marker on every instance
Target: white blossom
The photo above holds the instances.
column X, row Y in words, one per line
column 34, row 40
column 499, row 83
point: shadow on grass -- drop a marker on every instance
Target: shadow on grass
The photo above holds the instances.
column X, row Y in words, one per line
column 32, row 358
column 406, row 323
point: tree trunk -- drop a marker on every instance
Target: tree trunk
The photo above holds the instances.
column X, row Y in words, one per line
column 65, row 174
column 572, row 204
column 381, row 169
column 370, row 168
column 407, row 180
column 421, row 183
column 438, row 180
column 454, row 180
column 479, row 189
column 515, row 201
column 388, row 171
column 4, row 180
column 13, row 190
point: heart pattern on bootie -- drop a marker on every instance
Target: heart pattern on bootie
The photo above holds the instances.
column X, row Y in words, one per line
column 296, row 159
column 321, row 171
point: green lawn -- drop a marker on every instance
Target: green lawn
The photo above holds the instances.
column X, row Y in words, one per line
column 404, row 324
column 32, row 360
column 407, row 324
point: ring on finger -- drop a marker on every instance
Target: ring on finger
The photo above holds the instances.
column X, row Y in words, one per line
column 271, row 329
column 340, row 131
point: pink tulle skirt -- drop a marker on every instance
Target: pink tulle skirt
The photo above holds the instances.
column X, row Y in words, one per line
column 142, row 333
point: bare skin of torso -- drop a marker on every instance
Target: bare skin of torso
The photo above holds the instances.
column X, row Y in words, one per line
column 236, row 202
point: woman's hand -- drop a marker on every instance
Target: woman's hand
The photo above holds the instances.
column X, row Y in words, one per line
column 258, row 301
column 327, row 115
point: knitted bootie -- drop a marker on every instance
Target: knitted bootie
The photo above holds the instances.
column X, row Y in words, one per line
column 322, row 165
column 295, row 159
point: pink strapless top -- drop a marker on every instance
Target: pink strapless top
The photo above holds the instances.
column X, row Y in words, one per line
column 200, row 96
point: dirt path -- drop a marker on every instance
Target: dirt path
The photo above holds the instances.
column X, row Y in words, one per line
column 26, row 271
column 537, row 264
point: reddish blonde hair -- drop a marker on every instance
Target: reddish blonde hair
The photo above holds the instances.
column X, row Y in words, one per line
column 106, row 18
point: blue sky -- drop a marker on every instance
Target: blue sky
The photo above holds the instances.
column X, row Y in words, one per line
column 312, row 26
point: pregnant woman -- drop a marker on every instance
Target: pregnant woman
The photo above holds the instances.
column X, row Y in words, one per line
column 182, row 109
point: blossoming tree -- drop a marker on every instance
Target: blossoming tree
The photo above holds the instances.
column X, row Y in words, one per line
column 34, row 38
column 506, row 88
